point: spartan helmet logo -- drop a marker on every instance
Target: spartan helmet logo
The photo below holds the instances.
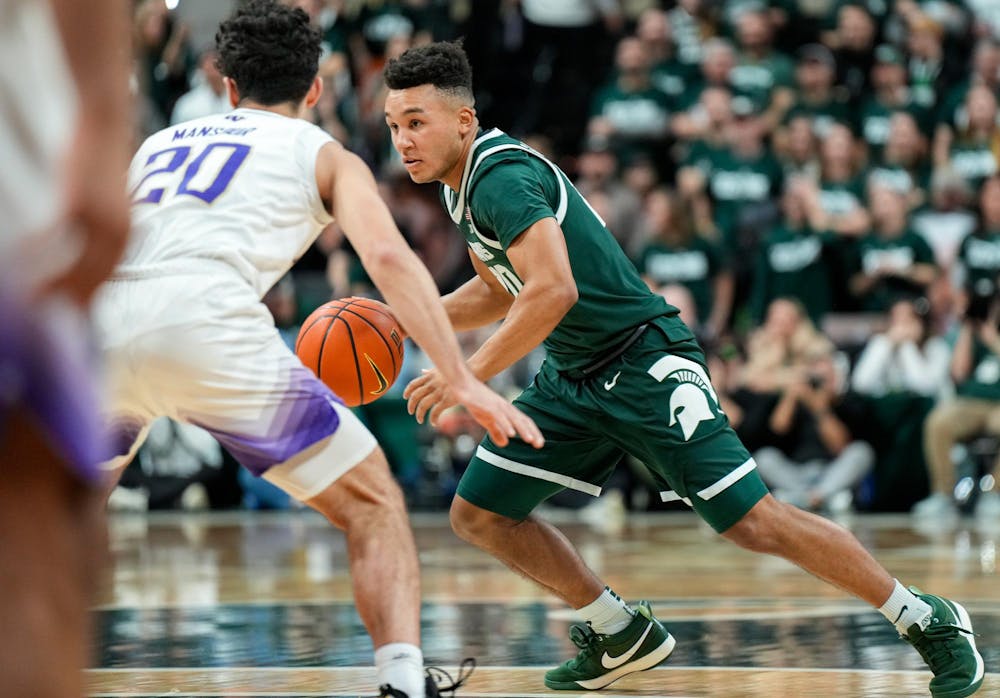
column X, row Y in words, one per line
column 689, row 403
column 689, row 406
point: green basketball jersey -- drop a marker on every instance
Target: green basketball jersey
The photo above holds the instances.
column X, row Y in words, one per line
column 507, row 187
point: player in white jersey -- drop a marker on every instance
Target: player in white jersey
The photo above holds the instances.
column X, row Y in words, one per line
column 64, row 144
column 221, row 208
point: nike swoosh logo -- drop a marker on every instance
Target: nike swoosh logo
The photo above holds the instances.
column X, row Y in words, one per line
column 608, row 385
column 904, row 610
column 382, row 382
column 609, row 662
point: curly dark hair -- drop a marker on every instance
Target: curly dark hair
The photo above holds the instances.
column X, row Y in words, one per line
column 442, row 64
column 270, row 51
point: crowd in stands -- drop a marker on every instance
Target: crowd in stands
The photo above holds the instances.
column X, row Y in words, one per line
column 815, row 184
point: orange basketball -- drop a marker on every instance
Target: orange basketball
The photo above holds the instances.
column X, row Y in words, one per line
column 355, row 346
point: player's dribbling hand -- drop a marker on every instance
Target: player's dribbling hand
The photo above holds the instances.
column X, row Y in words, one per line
column 430, row 393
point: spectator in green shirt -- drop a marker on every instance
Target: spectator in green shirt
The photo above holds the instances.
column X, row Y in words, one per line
column 972, row 152
column 676, row 253
column 793, row 261
column 893, row 261
column 979, row 252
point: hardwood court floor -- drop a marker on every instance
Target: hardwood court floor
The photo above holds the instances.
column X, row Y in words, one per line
column 260, row 605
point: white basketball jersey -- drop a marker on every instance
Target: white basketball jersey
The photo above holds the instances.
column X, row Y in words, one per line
column 37, row 112
column 239, row 188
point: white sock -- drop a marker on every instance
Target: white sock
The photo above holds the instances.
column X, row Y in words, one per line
column 903, row 609
column 607, row 614
column 401, row 665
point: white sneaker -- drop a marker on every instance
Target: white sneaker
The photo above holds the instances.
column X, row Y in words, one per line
column 607, row 513
column 988, row 505
column 128, row 499
column 937, row 506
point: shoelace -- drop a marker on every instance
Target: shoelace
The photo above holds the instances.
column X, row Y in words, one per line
column 934, row 645
column 439, row 676
column 582, row 635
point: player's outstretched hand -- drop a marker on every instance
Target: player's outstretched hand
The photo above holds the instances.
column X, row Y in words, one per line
column 430, row 393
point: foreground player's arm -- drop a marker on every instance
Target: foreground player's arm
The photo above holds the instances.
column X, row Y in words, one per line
column 409, row 289
column 95, row 39
column 541, row 261
column 479, row 301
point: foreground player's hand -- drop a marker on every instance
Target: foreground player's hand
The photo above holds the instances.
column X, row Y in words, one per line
column 430, row 393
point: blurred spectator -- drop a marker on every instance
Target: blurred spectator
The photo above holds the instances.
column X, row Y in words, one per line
column 973, row 151
column 975, row 368
column 781, row 350
column 820, row 460
column 597, row 176
column 281, row 302
column 799, row 155
column 985, row 72
column 567, row 43
column 853, row 43
column 163, row 56
column 889, row 95
column 740, row 175
column 629, row 111
column 794, row 260
column 207, row 96
column 693, row 22
column 948, row 219
column 668, row 75
column 676, row 254
column 718, row 58
column 906, row 358
column 931, row 70
column 979, row 252
column 707, row 119
column 902, row 165
column 841, row 185
column 761, row 73
column 894, row 261
column 817, row 95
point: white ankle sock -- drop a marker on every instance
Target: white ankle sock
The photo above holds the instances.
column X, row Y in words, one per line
column 607, row 614
column 903, row 609
column 401, row 665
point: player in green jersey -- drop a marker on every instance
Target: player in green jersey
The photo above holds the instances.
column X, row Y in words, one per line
column 622, row 373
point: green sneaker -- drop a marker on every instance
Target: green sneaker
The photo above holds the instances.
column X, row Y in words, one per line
column 603, row 659
column 948, row 647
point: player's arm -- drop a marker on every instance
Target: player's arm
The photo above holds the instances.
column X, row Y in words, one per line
column 540, row 259
column 408, row 288
column 479, row 301
column 95, row 39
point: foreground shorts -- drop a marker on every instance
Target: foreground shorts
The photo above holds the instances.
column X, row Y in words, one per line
column 200, row 348
column 654, row 402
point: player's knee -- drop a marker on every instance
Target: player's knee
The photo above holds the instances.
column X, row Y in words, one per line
column 760, row 530
column 474, row 524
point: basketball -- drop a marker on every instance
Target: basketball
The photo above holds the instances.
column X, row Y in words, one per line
column 355, row 346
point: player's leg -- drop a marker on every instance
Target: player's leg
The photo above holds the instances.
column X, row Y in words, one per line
column 52, row 537
column 493, row 509
column 694, row 449
column 940, row 629
column 52, row 547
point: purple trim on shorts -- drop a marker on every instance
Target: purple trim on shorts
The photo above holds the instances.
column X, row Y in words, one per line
column 47, row 366
column 306, row 416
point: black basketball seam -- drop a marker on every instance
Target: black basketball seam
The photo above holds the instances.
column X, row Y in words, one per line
column 305, row 330
column 377, row 332
column 376, row 309
column 357, row 364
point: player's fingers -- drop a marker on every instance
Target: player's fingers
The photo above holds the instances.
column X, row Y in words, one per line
column 413, row 385
column 425, row 404
column 497, row 433
column 528, row 430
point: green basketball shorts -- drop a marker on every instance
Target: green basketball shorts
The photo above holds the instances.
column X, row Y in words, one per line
column 654, row 402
